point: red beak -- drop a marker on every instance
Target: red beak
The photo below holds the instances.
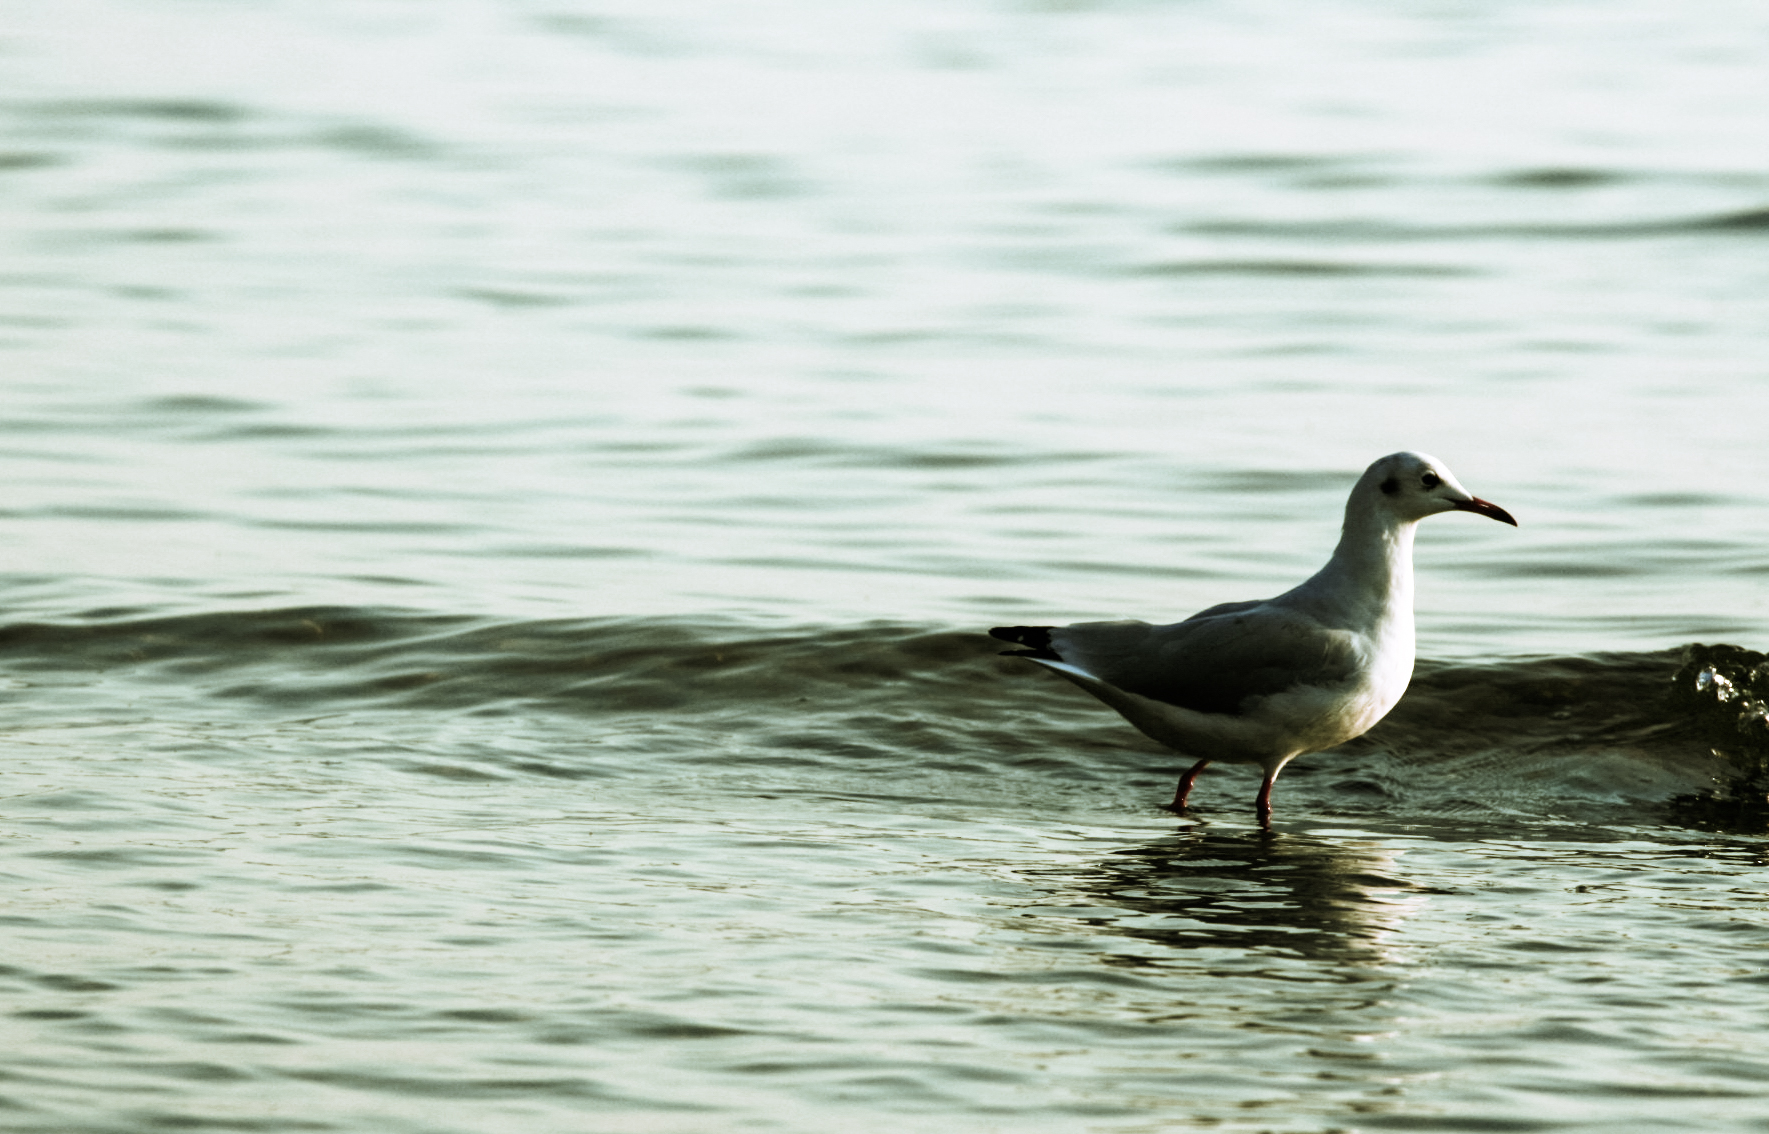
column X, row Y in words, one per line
column 1486, row 508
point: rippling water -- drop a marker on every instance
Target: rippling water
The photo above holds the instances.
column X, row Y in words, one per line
column 501, row 500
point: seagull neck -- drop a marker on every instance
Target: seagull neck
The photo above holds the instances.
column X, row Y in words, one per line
column 1370, row 577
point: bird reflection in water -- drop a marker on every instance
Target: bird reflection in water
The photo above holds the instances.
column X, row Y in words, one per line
column 1290, row 897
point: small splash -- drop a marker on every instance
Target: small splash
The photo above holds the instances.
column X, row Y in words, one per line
column 1710, row 681
column 1724, row 690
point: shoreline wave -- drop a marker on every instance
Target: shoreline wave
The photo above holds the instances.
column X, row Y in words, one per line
column 1681, row 730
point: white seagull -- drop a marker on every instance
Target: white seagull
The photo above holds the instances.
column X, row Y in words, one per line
column 1264, row 682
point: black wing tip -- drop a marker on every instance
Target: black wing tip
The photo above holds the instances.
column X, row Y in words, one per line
column 1035, row 638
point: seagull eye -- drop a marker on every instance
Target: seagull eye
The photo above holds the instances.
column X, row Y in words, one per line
column 1431, row 480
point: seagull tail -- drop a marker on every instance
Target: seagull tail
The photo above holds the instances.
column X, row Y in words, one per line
column 1035, row 638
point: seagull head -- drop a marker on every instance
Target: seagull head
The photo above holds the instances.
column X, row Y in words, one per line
column 1411, row 486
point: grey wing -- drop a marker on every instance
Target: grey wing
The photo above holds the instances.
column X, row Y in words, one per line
column 1214, row 661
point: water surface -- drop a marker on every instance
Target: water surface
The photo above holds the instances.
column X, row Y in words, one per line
column 502, row 500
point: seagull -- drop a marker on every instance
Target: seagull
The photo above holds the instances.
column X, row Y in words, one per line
column 1266, row 681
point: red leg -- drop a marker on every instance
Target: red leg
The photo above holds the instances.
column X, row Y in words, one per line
column 1184, row 791
column 1263, row 803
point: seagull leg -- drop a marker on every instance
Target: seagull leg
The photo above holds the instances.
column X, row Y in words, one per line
column 1263, row 803
column 1184, row 790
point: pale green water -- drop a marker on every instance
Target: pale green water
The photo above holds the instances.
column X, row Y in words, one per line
column 500, row 499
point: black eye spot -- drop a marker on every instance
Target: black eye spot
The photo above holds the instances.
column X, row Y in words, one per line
column 1390, row 486
column 1431, row 480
